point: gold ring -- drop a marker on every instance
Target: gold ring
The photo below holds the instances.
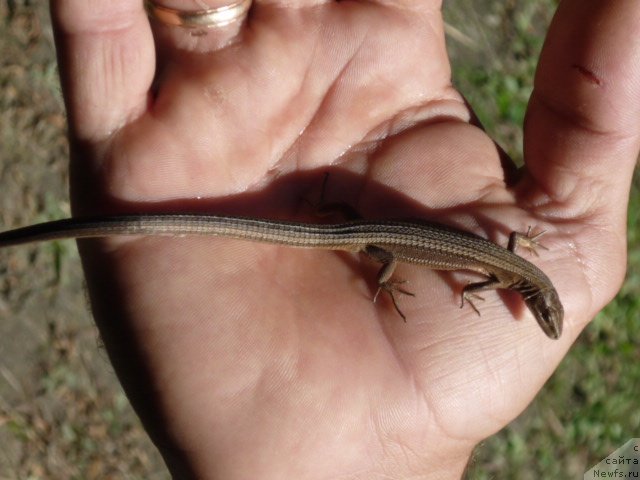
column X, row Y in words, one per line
column 212, row 17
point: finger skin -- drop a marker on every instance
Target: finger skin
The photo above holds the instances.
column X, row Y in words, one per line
column 582, row 136
column 582, row 129
column 106, row 57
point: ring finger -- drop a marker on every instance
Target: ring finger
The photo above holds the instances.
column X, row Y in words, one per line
column 196, row 25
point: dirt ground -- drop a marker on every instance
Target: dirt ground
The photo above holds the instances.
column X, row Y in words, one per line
column 62, row 411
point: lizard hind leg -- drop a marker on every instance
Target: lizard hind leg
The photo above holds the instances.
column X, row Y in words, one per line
column 385, row 282
column 391, row 287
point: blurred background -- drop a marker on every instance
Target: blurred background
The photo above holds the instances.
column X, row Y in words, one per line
column 62, row 413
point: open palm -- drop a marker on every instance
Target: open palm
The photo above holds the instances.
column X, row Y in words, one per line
column 256, row 361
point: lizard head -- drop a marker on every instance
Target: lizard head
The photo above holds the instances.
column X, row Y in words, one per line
column 546, row 307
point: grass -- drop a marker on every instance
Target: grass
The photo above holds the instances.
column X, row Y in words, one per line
column 71, row 425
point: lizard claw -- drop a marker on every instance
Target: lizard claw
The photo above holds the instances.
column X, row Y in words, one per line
column 391, row 287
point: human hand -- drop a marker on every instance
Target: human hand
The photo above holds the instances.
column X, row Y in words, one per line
column 249, row 361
